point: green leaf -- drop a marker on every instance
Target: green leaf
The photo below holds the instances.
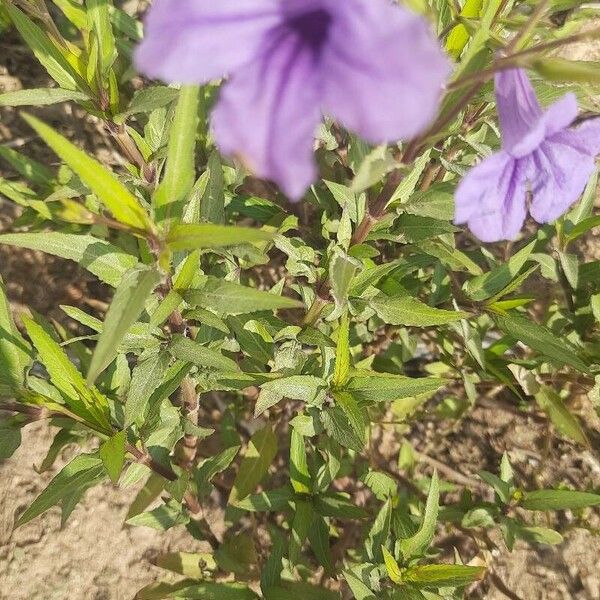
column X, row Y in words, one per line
column 268, row 501
column 565, row 422
column 231, row 298
column 99, row 17
column 306, row 388
column 189, row 590
column 301, row 524
column 180, row 171
column 418, row 544
column 485, row 286
column 148, row 99
column 540, row 535
column 318, row 536
column 191, row 351
column 342, row 354
column 502, row 488
column 354, row 413
column 104, row 260
column 339, row 428
column 559, row 500
column 127, row 305
column 381, row 484
column 379, row 532
column 437, row 203
column 435, row 576
column 10, row 440
column 187, row 236
column 338, row 506
column 162, row 518
column 150, row 491
column 145, row 379
column 406, row 310
column 370, row 386
column 186, row 563
column 341, row 272
column 110, row 191
column 258, row 457
column 559, row 69
column 112, row 453
column 459, row 36
column 79, row 475
column 542, row 340
column 215, row 465
column 86, row 402
column 14, row 350
column 415, row 228
column 391, row 566
column 50, row 57
column 358, row 588
column 41, row 97
column 212, row 202
column 299, row 474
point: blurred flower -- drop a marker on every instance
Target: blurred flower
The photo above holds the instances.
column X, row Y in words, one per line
column 374, row 66
column 541, row 155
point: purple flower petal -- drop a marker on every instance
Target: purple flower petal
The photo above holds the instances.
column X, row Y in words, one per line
column 268, row 114
column 374, row 85
column 585, row 137
column 491, row 198
column 194, row 41
column 519, row 111
column 560, row 115
column 559, row 172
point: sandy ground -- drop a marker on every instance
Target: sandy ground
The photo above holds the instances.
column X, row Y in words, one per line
column 94, row 557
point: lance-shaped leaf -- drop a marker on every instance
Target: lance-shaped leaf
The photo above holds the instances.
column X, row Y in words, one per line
column 201, row 356
column 417, row 544
column 342, row 354
column 81, row 473
column 436, row 576
column 14, row 351
column 258, row 457
column 180, row 168
column 406, row 310
column 41, row 97
column 299, row 473
column 371, row 386
column 112, row 453
column 231, row 298
column 559, row 500
column 49, row 55
column 126, row 307
column 485, row 286
column 565, row 422
column 101, row 258
column 99, row 18
column 123, row 205
column 190, row 236
column 85, row 402
column 542, row 340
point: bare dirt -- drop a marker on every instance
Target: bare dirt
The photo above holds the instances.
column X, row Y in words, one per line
column 96, row 557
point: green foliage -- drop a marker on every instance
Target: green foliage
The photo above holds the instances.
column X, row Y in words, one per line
column 272, row 365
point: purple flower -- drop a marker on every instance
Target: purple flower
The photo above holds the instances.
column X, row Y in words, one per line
column 374, row 66
column 541, row 155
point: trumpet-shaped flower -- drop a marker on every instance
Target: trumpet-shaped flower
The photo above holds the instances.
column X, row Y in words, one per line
column 542, row 155
column 374, row 66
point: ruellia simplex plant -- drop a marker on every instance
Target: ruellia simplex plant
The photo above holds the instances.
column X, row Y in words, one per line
column 292, row 288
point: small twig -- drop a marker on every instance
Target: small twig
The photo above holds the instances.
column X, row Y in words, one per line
column 145, row 459
column 530, row 25
column 451, row 473
column 495, row 579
